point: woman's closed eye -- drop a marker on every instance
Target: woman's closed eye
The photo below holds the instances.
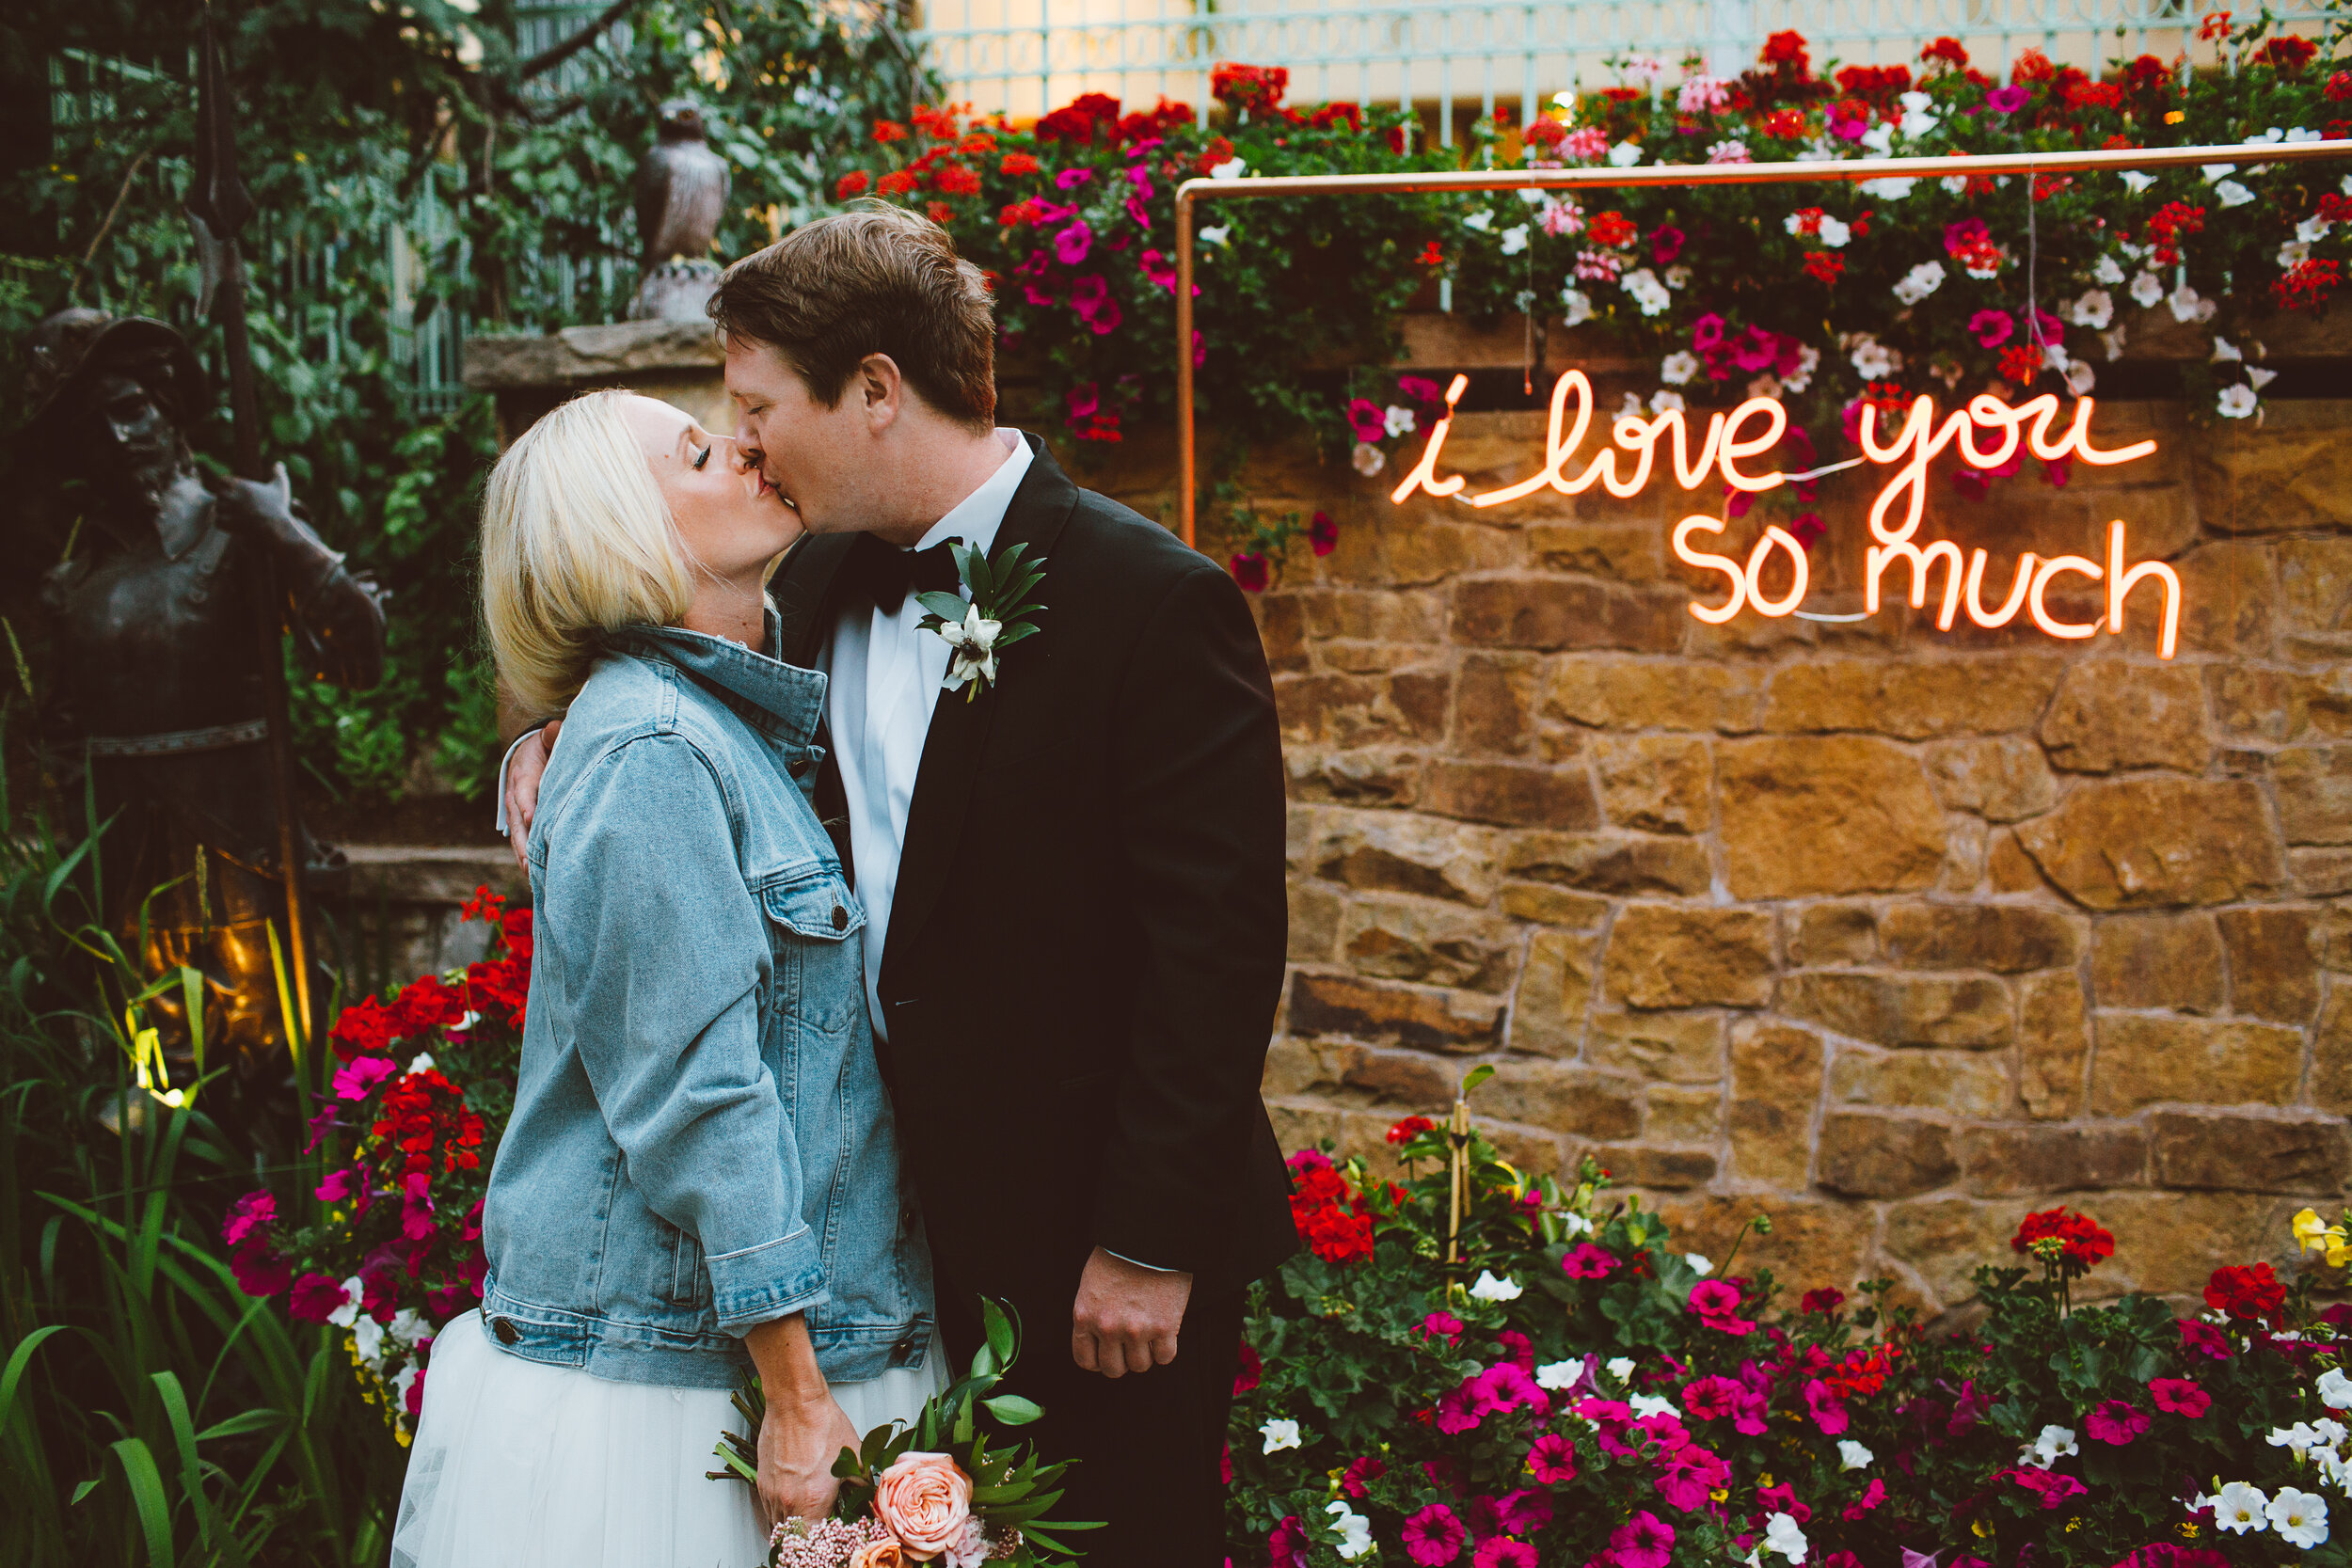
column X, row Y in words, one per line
column 702, row 457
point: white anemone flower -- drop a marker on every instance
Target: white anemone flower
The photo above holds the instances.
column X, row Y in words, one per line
column 1279, row 1434
column 2240, row 1508
column 1490, row 1289
column 974, row 640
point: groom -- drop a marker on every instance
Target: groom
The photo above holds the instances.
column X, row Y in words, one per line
column 1073, row 880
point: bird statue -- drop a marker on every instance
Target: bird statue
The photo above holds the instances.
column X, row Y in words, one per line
column 681, row 195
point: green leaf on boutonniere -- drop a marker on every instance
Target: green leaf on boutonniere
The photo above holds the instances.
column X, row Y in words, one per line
column 988, row 617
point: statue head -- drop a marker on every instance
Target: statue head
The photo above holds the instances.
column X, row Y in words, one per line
column 681, row 119
column 111, row 398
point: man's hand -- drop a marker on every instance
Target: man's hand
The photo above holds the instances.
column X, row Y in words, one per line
column 523, row 771
column 1126, row 1317
column 798, row 1444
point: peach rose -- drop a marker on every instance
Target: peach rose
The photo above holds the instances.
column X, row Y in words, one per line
column 923, row 1498
column 885, row 1553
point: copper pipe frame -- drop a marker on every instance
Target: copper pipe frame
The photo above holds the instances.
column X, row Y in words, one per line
column 1855, row 169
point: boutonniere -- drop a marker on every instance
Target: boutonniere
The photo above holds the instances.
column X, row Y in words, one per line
column 991, row 622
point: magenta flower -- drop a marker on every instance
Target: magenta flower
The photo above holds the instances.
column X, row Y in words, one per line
column 1523, row 1511
column 1420, row 389
column 258, row 1271
column 1687, row 1475
column 2116, row 1421
column 1707, row 332
column 1515, row 1347
column 1084, row 399
column 1847, row 127
column 2007, row 100
column 1990, row 328
column 1552, row 1460
column 1758, row 349
column 2179, row 1396
column 1140, row 178
column 1071, row 179
column 1645, row 1541
column 1038, row 295
column 415, row 1402
column 1829, row 1411
column 254, row 1212
column 2055, row 1488
column 316, row 1296
column 1459, row 1410
column 1507, row 1386
column 1589, row 1261
column 416, row 1214
column 1105, row 319
column 1365, row 418
column 1249, row 570
column 1136, row 212
column 358, row 1077
column 2056, row 471
column 1287, row 1545
column 350, row 1181
column 2203, row 1339
column 1442, row 1326
column 1711, row 1399
column 1070, row 244
column 1497, row 1552
column 1872, row 1496
column 1806, row 527
column 1713, row 1297
column 1158, row 269
column 1782, row 1499
column 1665, row 243
column 1087, row 294
column 1359, row 1472
column 1434, row 1537
column 2053, row 330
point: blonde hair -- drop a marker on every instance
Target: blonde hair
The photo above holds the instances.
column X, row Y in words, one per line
column 576, row 540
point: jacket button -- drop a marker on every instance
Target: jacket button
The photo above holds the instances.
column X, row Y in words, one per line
column 840, row 918
column 798, row 768
column 903, row 1351
column 506, row 1331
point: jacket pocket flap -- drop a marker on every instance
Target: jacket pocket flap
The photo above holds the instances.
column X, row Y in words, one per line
column 819, row 906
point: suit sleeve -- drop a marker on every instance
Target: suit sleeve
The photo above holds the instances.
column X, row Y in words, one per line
column 662, row 945
column 1199, row 814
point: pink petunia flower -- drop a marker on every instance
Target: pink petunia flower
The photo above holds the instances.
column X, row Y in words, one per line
column 1806, row 527
column 1323, row 533
column 254, row 1212
column 1687, row 1474
column 1360, row 1471
column 1507, row 1387
column 358, row 1077
column 2007, row 100
column 1645, row 1541
column 2179, row 1396
column 1442, row 1326
column 1498, row 1552
column 315, row 1298
column 1070, row 244
column 1365, row 418
column 1523, row 1511
column 1250, row 571
column 350, row 1181
column 1137, row 214
column 2116, row 1421
column 1434, row 1537
column 1589, row 1261
column 1872, row 1496
column 1287, row 1545
column 1757, row 349
column 1552, row 1460
column 1829, row 1411
column 1071, row 179
column 415, row 1402
column 1711, row 1399
column 1158, row 269
column 1106, row 319
column 1990, row 328
column 1707, row 332
column 258, row 1271
column 1782, row 1499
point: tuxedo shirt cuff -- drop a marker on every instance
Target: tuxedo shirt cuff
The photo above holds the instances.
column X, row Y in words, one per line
column 1141, row 1263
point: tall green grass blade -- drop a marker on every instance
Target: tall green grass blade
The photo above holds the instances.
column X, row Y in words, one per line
column 147, row 1496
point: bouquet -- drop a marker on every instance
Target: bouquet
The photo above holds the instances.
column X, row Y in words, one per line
column 394, row 1252
column 935, row 1489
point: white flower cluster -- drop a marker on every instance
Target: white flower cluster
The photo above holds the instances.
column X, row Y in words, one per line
column 2052, row 1444
column 1648, row 293
column 2299, row 1517
column 2241, row 399
column 1919, row 282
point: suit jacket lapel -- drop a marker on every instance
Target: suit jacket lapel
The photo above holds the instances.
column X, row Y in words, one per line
column 802, row 591
column 959, row 731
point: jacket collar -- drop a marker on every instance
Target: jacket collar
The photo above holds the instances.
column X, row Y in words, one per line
column 783, row 699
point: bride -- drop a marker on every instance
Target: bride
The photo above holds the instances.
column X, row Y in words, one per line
column 701, row 1173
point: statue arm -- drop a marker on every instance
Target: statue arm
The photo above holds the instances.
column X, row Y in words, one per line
column 337, row 614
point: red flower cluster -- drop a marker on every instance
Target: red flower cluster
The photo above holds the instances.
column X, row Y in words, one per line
column 1248, row 87
column 2083, row 1241
column 853, row 184
column 2253, row 1292
column 1860, row 1374
column 426, row 1120
column 1875, row 85
column 1824, row 264
column 2173, row 220
column 1950, row 53
column 1081, row 118
column 1612, row 230
column 1328, row 1212
column 2286, row 53
column 2020, row 364
column 1409, row 1129
column 2307, row 284
column 1786, row 53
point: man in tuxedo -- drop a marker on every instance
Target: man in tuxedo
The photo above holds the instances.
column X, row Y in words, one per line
column 1072, row 878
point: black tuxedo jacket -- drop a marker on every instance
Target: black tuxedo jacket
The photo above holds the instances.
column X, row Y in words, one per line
column 1086, row 938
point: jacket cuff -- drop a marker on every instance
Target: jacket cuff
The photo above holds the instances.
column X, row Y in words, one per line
column 1128, row 1225
column 760, row 1284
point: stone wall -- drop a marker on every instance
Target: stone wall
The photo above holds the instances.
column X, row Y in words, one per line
column 1888, row 933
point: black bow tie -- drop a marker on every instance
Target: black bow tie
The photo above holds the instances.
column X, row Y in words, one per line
column 886, row 574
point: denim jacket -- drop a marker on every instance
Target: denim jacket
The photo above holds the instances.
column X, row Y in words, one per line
column 700, row 1142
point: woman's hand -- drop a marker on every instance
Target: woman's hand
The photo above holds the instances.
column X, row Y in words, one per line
column 799, row 1442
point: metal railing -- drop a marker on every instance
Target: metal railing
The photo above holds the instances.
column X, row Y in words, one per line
column 1026, row 57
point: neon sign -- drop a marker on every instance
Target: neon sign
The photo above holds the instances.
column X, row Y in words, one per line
column 1756, row 427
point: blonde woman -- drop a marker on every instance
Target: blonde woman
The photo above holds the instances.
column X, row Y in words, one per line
column 701, row 1173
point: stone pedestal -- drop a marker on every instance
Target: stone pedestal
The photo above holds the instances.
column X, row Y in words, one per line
column 679, row 362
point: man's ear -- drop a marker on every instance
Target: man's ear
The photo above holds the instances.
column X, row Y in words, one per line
column 883, row 389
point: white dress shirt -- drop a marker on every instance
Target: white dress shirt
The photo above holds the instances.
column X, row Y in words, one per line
column 886, row 674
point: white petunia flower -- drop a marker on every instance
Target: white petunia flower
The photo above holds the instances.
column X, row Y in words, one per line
column 1354, row 1529
column 2147, row 291
column 2188, row 305
column 2330, row 1433
column 1765, row 385
column 1397, row 419
column 2313, row 228
column 1662, row 400
column 1620, row 1366
column 1919, row 282
column 2300, row 1517
column 2216, row 171
column 2294, row 253
column 2237, row 402
column 2300, row 1437
column 1644, row 1405
column 2137, row 181
column 1578, row 306
column 1559, row 1374
column 1782, row 1535
column 1490, row 1289
column 2239, row 1507
column 2094, row 309
column 1953, row 183
column 2106, row 271
column 2300, row 135
column 1575, row 1225
column 1515, row 239
column 1873, row 360
column 1808, row 360
column 2344, row 185
column 1231, row 168
column 2334, row 1389
column 407, row 1377
column 2052, row 1444
column 1647, row 292
column 2224, row 349
column 1880, row 139
column 1280, row 1434
column 367, row 1341
column 1483, row 220
column 409, row 1327
column 421, row 1061
column 2230, row 194
column 1220, row 233
column 347, row 1314
column 1632, row 409
column 1700, row 1263
column 1678, row 369
column 1852, row 1455
column 2081, row 378
column 1890, row 187
column 1532, row 194
column 2113, row 340
column 1368, row 459
column 1626, row 154
column 1676, row 278
column 1834, row 233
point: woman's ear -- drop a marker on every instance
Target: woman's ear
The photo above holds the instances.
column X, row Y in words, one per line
column 884, row 390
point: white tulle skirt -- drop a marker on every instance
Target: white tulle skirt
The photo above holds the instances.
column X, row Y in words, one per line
column 520, row 1465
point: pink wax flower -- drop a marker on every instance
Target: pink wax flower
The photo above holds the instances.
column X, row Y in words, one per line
column 1070, row 244
column 1990, row 328
column 1829, row 1411
column 2204, row 1338
column 1872, row 1496
column 1589, row 1261
column 1552, row 1460
column 1434, row 1536
column 2007, row 100
column 1645, row 1541
column 2116, row 1421
column 1707, row 332
column 315, row 1297
column 2179, row 1396
column 254, row 1212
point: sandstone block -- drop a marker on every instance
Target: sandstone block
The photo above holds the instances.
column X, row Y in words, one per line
column 1686, row 1113
column 1406, row 551
column 1825, row 815
column 1674, row 1048
column 1620, row 693
column 1861, row 1155
column 2256, row 703
column 1419, row 698
column 1371, row 614
column 2274, row 971
column 1292, row 1066
column 1963, row 1082
column 1307, row 1126
column 1690, row 956
column 2054, row 1050
column 1283, row 627
column 1373, row 776
column 2000, row 778
column 2314, row 794
column 1554, row 994
column 2258, row 1154
column 1315, row 924
column 1945, row 1240
column 2140, row 1060
column 2008, row 939
column 1888, row 1009
column 1834, row 934
column 1616, row 863
column 1511, row 794
column 1439, row 944
column 1914, row 699
column 2331, row 1052
column 1495, row 704
column 1398, row 852
column 1657, row 1168
column 1395, row 1015
column 1625, row 551
column 1553, row 614
column 1775, row 1082
column 2131, row 844
column 2170, row 1242
column 2110, row 714
column 1812, row 1242
column 2009, row 1162
column 2157, row 961
column 1654, row 782
column 1533, row 1152
column 1552, row 906
column 2008, row 868
column 2273, row 480
column 2229, row 603
column 1562, row 1098
column 2315, row 587
column 2320, row 873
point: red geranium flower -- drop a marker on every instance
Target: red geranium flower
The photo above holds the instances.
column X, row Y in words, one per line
column 2252, row 1292
column 1411, row 1126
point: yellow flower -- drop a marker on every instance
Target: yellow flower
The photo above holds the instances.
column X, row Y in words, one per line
column 2339, row 1250
column 2309, row 1229
column 2314, row 1234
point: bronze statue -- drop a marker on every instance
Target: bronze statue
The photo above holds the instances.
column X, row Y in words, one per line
column 153, row 614
column 681, row 196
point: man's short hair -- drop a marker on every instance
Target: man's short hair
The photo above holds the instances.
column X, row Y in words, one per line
column 874, row 280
